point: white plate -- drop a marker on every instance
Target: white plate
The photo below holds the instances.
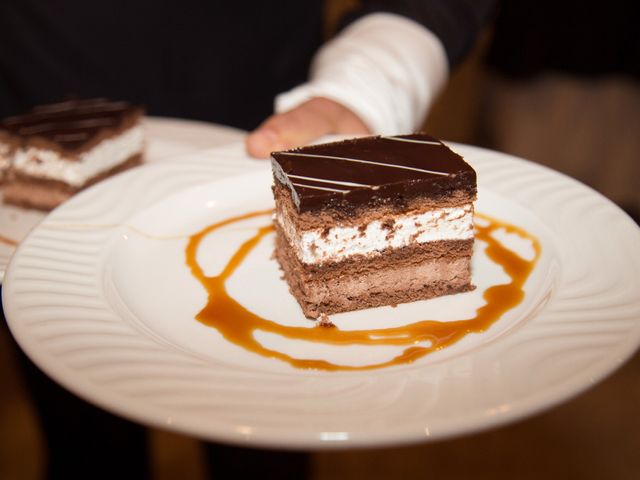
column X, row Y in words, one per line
column 99, row 297
column 166, row 137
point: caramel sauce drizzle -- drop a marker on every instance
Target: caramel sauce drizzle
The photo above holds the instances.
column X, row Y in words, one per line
column 238, row 325
column 8, row 241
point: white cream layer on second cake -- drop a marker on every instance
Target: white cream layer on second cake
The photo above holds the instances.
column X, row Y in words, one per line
column 341, row 242
column 106, row 155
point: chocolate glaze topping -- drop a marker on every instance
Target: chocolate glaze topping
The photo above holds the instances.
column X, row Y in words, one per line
column 72, row 124
column 372, row 171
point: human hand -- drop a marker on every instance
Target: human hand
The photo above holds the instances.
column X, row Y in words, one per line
column 311, row 120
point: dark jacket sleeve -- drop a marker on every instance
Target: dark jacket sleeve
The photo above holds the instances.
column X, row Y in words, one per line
column 457, row 23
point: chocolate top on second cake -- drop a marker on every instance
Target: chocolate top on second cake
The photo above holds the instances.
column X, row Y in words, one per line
column 72, row 125
column 372, row 170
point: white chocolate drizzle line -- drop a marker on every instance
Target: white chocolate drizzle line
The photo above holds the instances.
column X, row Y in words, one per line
column 103, row 104
column 357, row 160
column 412, row 140
column 70, row 124
column 320, row 188
column 335, row 182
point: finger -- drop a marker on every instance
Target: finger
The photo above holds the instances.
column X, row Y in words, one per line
column 287, row 130
column 305, row 123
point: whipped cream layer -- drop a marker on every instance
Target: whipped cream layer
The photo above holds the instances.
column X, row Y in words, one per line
column 340, row 242
column 109, row 153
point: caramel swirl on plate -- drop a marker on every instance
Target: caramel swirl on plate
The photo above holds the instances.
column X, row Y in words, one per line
column 238, row 325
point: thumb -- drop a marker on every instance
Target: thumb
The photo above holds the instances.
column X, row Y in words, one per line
column 307, row 122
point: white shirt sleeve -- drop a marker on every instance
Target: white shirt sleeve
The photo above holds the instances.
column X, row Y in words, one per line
column 385, row 68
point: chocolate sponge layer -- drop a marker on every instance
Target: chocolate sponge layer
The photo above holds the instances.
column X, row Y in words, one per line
column 401, row 275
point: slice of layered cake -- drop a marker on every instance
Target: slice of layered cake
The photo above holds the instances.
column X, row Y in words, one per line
column 373, row 221
column 61, row 148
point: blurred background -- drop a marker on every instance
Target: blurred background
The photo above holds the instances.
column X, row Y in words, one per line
column 553, row 82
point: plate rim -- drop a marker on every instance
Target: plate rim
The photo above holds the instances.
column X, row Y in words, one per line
column 604, row 368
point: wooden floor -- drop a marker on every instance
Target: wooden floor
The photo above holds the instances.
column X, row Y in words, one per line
column 587, row 129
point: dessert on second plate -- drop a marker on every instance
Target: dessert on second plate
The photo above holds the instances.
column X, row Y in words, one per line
column 61, row 148
column 373, row 221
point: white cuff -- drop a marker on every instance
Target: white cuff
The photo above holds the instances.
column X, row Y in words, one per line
column 385, row 68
